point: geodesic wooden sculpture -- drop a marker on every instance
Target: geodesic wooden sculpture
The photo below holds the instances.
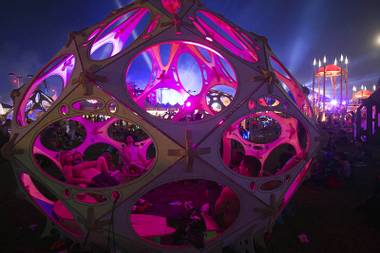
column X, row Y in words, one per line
column 222, row 132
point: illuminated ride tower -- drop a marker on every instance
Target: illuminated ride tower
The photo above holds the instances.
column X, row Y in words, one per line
column 333, row 77
column 162, row 110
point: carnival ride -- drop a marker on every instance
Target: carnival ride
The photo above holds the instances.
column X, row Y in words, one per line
column 337, row 73
column 193, row 90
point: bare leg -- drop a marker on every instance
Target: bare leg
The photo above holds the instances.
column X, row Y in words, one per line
column 102, row 165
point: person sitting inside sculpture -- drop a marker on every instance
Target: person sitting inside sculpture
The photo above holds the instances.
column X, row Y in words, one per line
column 78, row 172
column 249, row 167
column 227, row 208
column 134, row 161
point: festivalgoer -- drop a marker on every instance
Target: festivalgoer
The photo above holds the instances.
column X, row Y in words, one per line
column 249, row 167
column 132, row 157
column 76, row 171
column 236, row 159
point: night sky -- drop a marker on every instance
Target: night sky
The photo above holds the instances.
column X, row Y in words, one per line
column 298, row 31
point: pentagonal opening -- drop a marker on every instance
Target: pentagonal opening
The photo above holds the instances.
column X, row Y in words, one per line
column 185, row 213
column 264, row 144
column 119, row 34
column 175, row 80
column 94, row 151
column 45, row 89
column 50, row 205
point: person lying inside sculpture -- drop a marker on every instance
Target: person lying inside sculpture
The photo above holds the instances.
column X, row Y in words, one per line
column 134, row 161
column 86, row 173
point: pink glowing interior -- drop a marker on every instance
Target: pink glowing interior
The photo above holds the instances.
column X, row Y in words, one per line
column 214, row 28
column 160, row 214
column 45, row 89
column 181, row 81
column 291, row 86
column 51, row 206
column 92, row 136
column 260, row 134
column 119, row 34
column 296, row 183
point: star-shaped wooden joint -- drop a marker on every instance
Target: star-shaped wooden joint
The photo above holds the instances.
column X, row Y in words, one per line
column 88, row 80
column 177, row 22
column 190, row 152
column 268, row 77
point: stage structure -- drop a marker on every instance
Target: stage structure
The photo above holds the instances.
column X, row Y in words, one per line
column 163, row 108
column 337, row 74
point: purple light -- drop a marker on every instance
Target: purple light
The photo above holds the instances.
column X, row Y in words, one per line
column 334, row 102
column 344, row 103
column 188, row 104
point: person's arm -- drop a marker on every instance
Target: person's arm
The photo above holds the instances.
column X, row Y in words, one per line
column 85, row 165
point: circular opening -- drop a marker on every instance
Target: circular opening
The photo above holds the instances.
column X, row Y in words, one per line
column 260, row 129
column 271, row 185
column 49, row 204
column 88, row 105
column 175, row 81
column 45, row 89
column 184, row 213
column 269, row 101
column 119, row 130
column 92, row 153
column 119, row 34
column 273, row 149
column 90, row 198
column 278, row 158
column 64, row 110
column 214, row 28
column 112, row 107
column 63, row 135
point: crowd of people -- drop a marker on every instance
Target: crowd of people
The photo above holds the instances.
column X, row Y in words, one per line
column 333, row 166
